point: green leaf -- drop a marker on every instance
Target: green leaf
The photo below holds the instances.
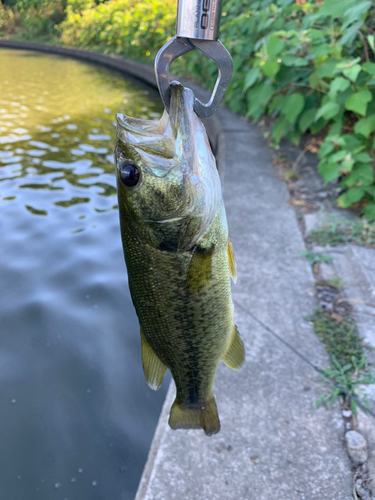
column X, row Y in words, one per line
column 329, row 171
column 353, row 72
column 280, row 128
column 369, row 67
column 294, row 136
column 336, row 127
column 251, row 78
column 353, row 195
column 362, row 173
column 365, row 126
column 270, row 68
column 327, row 111
column 365, row 173
column 275, row 46
column 339, row 84
column 321, row 50
column 334, row 8
column 327, row 147
column 371, row 42
column 369, row 211
column 338, row 156
column 289, row 60
column 350, row 33
column 363, row 158
column 284, row 3
column 316, row 34
column 314, row 80
column 358, row 101
column 328, row 69
column 306, row 119
column 257, row 99
column 347, row 164
column 292, row 106
column 343, row 201
column 357, row 11
column 350, row 143
column 317, row 126
column 237, row 61
column 275, row 103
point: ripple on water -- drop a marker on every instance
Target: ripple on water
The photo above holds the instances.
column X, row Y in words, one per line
column 67, row 321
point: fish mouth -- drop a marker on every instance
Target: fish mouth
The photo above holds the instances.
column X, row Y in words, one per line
column 161, row 144
column 181, row 109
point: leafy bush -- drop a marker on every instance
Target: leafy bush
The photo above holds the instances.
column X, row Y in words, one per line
column 8, row 20
column 40, row 17
column 132, row 28
column 311, row 67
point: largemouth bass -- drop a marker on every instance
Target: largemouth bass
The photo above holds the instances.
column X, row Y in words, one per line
column 178, row 255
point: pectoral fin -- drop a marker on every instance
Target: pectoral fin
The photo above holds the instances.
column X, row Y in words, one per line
column 232, row 261
column 153, row 368
column 235, row 355
column 200, row 268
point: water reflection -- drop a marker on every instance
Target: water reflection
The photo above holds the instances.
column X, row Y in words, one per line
column 57, row 130
column 77, row 417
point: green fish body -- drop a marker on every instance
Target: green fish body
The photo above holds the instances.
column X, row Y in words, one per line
column 178, row 255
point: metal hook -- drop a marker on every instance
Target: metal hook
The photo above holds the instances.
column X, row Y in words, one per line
column 213, row 49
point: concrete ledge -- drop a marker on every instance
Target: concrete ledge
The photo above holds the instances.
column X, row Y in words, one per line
column 273, row 445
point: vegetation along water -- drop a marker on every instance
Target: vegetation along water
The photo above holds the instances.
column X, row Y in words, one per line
column 77, row 418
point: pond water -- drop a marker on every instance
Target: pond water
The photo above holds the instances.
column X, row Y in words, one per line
column 77, row 417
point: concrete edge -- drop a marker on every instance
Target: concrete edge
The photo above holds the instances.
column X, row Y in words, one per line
column 137, row 70
column 155, row 445
column 216, row 134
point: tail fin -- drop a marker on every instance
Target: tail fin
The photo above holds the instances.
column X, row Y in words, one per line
column 201, row 416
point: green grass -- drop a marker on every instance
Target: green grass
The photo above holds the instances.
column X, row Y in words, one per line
column 335, row 282
column 341, row 338
column 334, row 231
column 315, row 257
column 349, row 365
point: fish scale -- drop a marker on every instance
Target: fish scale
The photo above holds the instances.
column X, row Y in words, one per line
column 185, row 329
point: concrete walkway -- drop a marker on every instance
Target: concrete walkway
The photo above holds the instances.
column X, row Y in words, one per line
column 273, row 445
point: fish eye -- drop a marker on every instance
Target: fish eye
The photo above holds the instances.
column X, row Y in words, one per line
column 129, row 173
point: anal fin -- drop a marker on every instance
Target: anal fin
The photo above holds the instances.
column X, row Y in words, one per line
column 232, row 261
column 235, row 355
column 153, row 368
column 204, row 416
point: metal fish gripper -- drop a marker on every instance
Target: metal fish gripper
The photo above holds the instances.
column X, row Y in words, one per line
column 197, row 27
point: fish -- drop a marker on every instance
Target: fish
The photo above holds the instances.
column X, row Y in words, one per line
column 178, row 255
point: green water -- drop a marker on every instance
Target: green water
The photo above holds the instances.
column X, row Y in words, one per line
column 77, row 417
column 57, row 129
